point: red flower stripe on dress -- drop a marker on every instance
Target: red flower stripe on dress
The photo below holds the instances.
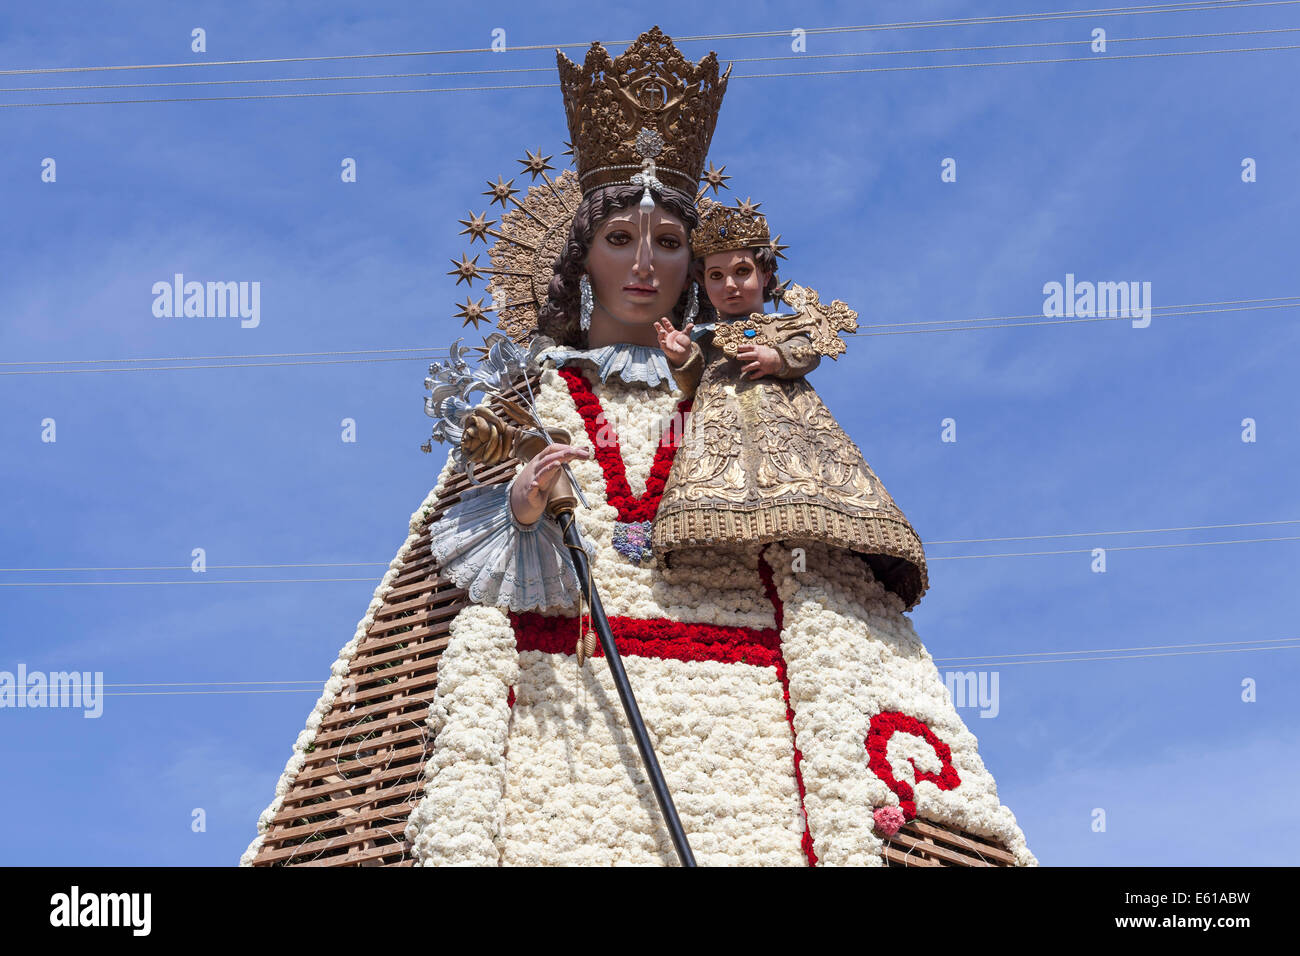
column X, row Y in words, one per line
column 617, row 491
column 885, row 725
column 657, row 637
column 673, row 640
column 778, row 611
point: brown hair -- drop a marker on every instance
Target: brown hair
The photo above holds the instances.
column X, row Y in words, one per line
column 559, row 316
column 764, row 260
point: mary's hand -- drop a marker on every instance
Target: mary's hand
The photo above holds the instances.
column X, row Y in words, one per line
column 532, row 487
column 676, row 344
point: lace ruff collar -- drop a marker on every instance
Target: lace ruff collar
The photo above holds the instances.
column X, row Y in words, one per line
column 635, row 364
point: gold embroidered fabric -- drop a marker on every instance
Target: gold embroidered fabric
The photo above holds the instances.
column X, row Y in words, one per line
column 765, row 460
column 690, row 372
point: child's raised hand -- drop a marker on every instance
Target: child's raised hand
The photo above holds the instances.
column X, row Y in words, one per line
column 675, row 343
column 762, row 360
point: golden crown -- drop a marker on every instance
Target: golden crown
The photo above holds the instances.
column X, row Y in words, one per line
column 645, row 117
column 724, row 228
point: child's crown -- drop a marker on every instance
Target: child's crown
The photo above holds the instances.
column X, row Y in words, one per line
column 726, row 228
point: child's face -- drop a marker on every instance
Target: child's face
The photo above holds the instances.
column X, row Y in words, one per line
column 734, row 283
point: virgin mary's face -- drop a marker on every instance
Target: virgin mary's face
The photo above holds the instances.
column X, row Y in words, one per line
column 638, row 264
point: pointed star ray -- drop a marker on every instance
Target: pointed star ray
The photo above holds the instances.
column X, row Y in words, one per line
column 471, row 312
column 501, row 191
column 477, row 226
column 467, row 270
column 714, row 178
column 536, row 164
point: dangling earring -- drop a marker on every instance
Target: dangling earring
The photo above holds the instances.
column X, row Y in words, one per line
column 692, row 304
column 584, row 286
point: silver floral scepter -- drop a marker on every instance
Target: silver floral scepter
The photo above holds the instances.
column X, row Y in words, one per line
column 495, row 376
column 477, row 434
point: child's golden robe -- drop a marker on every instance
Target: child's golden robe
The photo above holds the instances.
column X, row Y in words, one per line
column 764, row 460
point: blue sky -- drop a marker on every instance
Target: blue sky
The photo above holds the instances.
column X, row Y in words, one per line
column 1122, row 170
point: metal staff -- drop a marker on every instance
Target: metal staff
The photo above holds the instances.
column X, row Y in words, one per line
column 561, row 507
column 482, row 436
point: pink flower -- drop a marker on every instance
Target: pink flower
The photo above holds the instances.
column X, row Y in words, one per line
column 888, row 820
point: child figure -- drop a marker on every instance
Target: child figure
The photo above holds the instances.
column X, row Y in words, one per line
column 762, row 459
column 737, row 283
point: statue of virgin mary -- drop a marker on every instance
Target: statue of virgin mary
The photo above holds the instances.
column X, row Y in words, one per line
column 796, row 714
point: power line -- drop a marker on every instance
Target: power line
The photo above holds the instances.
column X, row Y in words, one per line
column 158, row 84
column 216, row 683
column 1160, row 8
column 176, row 368
column 206, row 693
column 1130, row 657
column 288, row 96
column 1094, row 650
column 959, row 66
column 204, row 580
column 1074, row 321
column 1203, row 7
column 197, row 358
column 1129, row 547
column 296, row 79
column 222, row 567
column 552, row 86
column 1274, row 644
column 970, row 49
column 1250, row 305
column 1037, row 315
column 377, row 564
column 91, row 584
column 1093, row 534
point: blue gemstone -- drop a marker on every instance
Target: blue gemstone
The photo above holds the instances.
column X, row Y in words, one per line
column 750, row 333
column 722, row 230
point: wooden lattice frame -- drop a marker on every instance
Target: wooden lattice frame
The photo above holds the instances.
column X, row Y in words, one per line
column 350, row 803
column 923, row 843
